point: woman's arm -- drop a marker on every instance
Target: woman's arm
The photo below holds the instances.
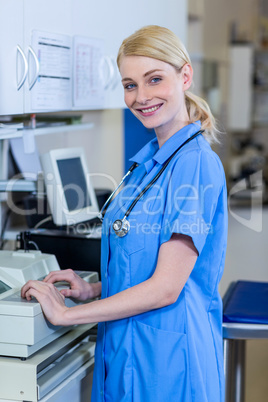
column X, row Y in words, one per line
column 176, row 260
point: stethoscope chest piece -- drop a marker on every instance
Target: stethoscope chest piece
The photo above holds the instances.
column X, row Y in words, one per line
column 121, row 227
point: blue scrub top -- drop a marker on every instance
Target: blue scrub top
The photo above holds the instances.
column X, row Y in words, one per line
column 174, row 353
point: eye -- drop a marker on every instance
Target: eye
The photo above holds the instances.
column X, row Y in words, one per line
column 129, row 86
column 155, row 80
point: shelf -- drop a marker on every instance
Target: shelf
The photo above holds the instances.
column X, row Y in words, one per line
column 6, row 134
column 11, row 234
column 17, row 186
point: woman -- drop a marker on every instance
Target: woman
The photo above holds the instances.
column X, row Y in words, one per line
column 159, row 334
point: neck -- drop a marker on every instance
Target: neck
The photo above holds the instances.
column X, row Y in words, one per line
column 163, row 134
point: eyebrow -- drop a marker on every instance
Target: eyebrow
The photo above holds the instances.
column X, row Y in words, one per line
column 145, row 75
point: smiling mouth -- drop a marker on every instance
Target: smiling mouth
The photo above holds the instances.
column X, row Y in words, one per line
column 150, row 109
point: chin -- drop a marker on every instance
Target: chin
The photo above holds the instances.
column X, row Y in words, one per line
column 149, row 126
column 148, row 123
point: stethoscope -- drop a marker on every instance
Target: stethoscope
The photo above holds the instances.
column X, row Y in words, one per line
column 121, row 226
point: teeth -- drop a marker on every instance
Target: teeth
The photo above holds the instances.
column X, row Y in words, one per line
column 152, row 109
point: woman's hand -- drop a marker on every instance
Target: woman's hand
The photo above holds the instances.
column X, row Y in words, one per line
column 79, row 289
column 51, row 300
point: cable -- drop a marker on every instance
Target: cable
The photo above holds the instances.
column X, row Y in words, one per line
column 3, row 241
column 34, row 244
column 40, row 223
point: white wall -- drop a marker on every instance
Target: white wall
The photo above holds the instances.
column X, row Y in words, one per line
column 217, row 20
column 218, row 17
column 246, row 257
column 103, row 145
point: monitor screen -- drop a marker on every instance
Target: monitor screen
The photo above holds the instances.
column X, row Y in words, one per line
column 3, row 287
column 69, row 190
column 74, row 183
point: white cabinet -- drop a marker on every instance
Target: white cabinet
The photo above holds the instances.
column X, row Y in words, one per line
column 18, row 19
column 113, row 21
column 44, row 16
column 107, row 20
column 13, row 63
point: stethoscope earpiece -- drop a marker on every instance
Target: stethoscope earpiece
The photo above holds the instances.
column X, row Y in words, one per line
column 121, row 227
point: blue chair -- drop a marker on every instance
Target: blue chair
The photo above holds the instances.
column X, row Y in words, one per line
column 245, row 316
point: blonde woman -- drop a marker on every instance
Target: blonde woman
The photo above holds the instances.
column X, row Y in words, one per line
column 163, row 244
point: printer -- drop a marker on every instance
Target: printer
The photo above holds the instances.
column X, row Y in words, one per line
column 39, row 361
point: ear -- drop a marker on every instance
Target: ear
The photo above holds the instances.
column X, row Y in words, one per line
column 187, row 76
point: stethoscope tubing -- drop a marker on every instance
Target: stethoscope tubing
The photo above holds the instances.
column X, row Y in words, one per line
column 149, row 185
column 122, row 226
column 108, row 201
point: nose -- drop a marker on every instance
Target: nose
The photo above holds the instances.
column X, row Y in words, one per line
column 143, row 95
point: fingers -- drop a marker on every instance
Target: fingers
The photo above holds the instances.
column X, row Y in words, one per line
column 58, row 276
column 74, row 293
column 79, row 289
column 24, row 290
column 39, row 290
column 51, row 300
column 31, row 288
column 32, row 293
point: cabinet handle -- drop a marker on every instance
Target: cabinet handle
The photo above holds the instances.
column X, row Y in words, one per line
column 115, row 79
column 109, row 80
column 31, row 51
column 22, row 81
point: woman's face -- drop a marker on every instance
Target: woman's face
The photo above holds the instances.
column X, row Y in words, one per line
column 154, row 92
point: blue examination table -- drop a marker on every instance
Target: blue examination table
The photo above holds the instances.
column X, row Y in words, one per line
column 245, row 316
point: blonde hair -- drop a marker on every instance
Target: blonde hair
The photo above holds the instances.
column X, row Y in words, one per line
column 162, row 44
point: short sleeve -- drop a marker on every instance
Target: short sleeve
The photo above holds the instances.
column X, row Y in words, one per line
column 194, row 187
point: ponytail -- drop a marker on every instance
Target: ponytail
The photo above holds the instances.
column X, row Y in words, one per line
column 198, row 109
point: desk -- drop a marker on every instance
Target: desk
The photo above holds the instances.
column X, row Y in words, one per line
column 72, row 250
column 245, row 316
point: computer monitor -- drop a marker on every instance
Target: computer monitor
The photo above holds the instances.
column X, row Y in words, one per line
column 70, row 194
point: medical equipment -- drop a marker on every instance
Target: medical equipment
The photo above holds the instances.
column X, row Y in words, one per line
column 40, row 361
column 79, row 247
column 24, row 329
column 70, row 193
column 121, row 226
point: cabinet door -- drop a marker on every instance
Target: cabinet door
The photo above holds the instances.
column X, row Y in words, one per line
column 113, row 21
column 12, row 64
column 51, row 17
